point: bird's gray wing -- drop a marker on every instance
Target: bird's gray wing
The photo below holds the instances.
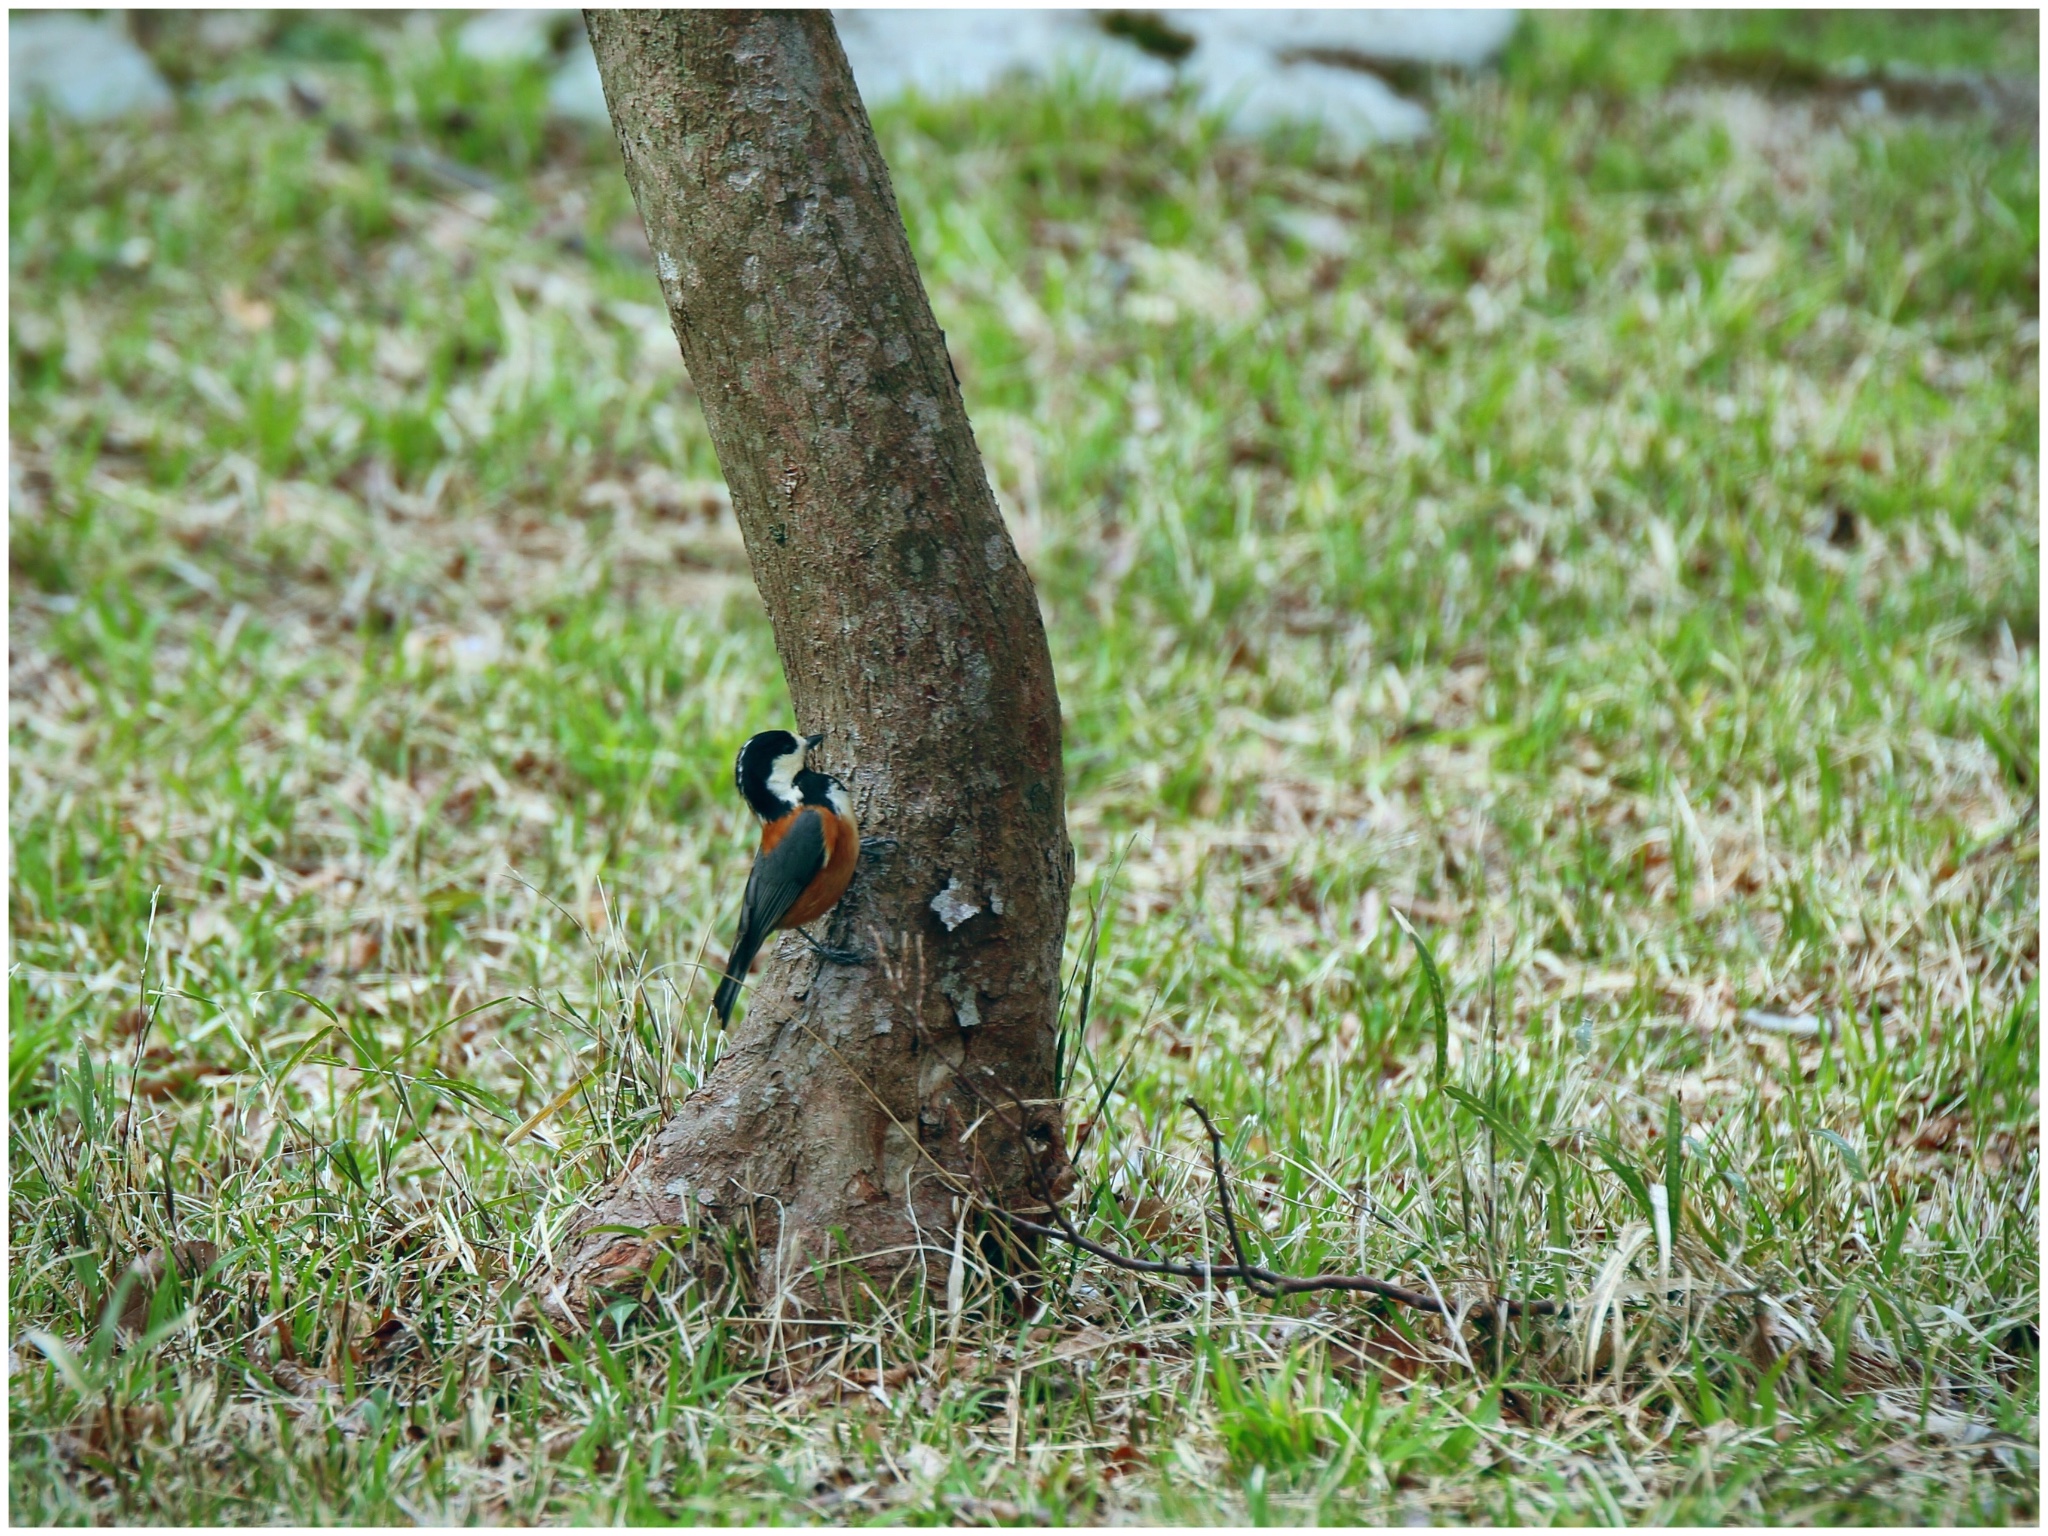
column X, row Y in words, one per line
column 777, row 881
column 781, row 874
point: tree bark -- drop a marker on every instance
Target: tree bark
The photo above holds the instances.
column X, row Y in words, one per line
column 853, row 1098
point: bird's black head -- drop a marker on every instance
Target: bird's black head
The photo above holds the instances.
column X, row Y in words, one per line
column 767, row 769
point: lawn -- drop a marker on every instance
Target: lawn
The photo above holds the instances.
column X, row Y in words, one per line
column 1604, row 536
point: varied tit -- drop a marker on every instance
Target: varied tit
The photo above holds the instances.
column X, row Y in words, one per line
column 810, row 844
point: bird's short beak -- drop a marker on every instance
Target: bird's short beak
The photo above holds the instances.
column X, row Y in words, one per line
column 811, row 742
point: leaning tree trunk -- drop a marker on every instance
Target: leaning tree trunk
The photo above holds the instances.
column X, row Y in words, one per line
column 859, row 1098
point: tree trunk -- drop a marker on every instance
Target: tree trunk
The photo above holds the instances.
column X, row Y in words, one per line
column 850, row 1097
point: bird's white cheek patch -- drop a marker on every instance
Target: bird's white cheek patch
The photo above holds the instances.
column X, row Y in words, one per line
column 782, row 777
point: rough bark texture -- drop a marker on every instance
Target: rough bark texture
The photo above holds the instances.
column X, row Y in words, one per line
column 909, row 631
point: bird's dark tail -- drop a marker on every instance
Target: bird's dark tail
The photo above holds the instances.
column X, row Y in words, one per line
column 737, row 964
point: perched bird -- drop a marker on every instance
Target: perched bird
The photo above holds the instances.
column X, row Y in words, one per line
column 810, row 844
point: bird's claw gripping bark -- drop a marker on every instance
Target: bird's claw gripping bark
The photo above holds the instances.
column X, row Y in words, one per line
column 836, row 956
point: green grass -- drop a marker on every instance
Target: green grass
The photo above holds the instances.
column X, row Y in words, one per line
column 1614, row 51
column 1606, row 534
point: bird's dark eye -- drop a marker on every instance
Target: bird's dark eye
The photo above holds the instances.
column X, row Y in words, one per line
column 1040, row 1134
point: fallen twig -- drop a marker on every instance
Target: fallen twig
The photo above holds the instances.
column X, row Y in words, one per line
column 1244, row 1262
column 1265, row 1282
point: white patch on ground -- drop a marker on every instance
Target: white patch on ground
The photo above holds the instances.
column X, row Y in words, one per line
column 1256, row 96
column 83, row 69
column 1323, row 233
column 965, row 53
column 1464, row 39
column 1252, row 66
column 576, row 91
column 506, row 37
column 953, row 905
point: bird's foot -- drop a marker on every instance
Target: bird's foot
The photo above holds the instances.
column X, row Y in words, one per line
column 836, row 956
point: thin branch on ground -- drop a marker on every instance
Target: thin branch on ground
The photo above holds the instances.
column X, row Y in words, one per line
column 1265, row 1282
column 1244, row 1263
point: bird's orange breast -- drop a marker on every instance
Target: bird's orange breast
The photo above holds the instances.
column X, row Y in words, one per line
column 842, row 853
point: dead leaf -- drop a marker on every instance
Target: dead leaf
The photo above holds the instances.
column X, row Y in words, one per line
column 250, row 315
column 1938, row 1133
column 384, row 1337
column 192, row 1258
column 300, row 1382
column 1122, row 1460
column 1152, row 1217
